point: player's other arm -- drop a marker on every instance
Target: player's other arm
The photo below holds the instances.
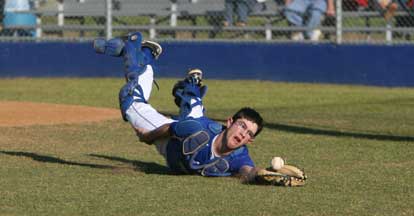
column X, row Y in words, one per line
column 248, row 174
column 150, row 136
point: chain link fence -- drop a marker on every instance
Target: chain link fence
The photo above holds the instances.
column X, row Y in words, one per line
column 302, row 21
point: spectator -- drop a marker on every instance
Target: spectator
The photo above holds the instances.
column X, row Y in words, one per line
column 242, row 9
column 1, row 13
column 388, row 7
column 15, row 16
column 309, row 14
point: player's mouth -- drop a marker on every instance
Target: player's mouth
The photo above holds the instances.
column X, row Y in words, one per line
column 238, row 139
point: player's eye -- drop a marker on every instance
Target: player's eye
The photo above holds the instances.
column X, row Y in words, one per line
column 243, row 126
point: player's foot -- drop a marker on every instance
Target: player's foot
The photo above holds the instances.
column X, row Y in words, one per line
column 155, row 47
column 196, row 75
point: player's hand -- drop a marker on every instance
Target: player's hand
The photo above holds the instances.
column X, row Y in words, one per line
column 142, row 134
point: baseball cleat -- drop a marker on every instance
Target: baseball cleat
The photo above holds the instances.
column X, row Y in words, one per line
column 155, row 47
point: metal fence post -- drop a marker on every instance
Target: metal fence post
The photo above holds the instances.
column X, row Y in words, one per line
column 108, row 19
column 61, row 15
column 388, row 33
column 173, row 18
column 38, row 20
column 338, row 21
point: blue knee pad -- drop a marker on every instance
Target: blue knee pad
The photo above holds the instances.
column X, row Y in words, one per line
column 128, row 94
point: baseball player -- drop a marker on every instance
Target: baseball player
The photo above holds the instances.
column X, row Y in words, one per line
column 192, row 143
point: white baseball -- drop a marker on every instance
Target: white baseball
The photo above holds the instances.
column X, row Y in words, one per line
column 277, row 163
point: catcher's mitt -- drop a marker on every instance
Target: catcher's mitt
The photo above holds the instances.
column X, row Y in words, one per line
column 288, row 175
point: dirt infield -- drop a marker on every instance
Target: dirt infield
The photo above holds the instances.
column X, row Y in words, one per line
column 28, row 113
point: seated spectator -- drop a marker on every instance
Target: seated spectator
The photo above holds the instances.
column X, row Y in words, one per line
column 1, row 14
column 242, row 8
column 388, row 7
column 309, row 14
column 15, row 15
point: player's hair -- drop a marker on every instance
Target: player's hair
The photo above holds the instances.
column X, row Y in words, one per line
column 251, row 115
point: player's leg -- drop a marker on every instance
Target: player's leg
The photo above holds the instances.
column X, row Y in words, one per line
column 138, row 57
column 188, row 95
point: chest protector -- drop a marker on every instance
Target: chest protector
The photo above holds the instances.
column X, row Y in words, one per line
column 196, row 139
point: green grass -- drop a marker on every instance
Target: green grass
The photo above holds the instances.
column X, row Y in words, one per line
column 355, row 142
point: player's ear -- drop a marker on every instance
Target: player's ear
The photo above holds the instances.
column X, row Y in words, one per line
column 250, row 140
column 229, row 122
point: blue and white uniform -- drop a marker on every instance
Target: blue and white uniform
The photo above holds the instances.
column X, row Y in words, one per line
column 189, row 149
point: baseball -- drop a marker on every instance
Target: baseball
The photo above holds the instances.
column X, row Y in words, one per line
column 277, row 163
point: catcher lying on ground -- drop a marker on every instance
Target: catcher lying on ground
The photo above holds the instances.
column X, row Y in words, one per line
column 190, row 143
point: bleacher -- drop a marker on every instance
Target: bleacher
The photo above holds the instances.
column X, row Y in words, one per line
column 162, row 15
column 170, row 17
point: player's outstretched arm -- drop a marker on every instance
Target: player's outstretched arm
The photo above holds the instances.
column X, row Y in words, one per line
column 248, row 174
column 288, row 175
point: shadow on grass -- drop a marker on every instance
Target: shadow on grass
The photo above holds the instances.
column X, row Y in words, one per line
column 335, row 133
column 50, row 159
column 146, row 167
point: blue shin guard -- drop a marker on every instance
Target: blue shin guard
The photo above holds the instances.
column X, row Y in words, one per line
column 130, row 49
column 134, row 59
column 135, row 62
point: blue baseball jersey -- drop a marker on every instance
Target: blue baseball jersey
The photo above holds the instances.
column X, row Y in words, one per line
column 191, row 149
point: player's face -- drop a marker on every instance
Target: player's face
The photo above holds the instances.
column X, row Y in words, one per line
column 240, row 132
